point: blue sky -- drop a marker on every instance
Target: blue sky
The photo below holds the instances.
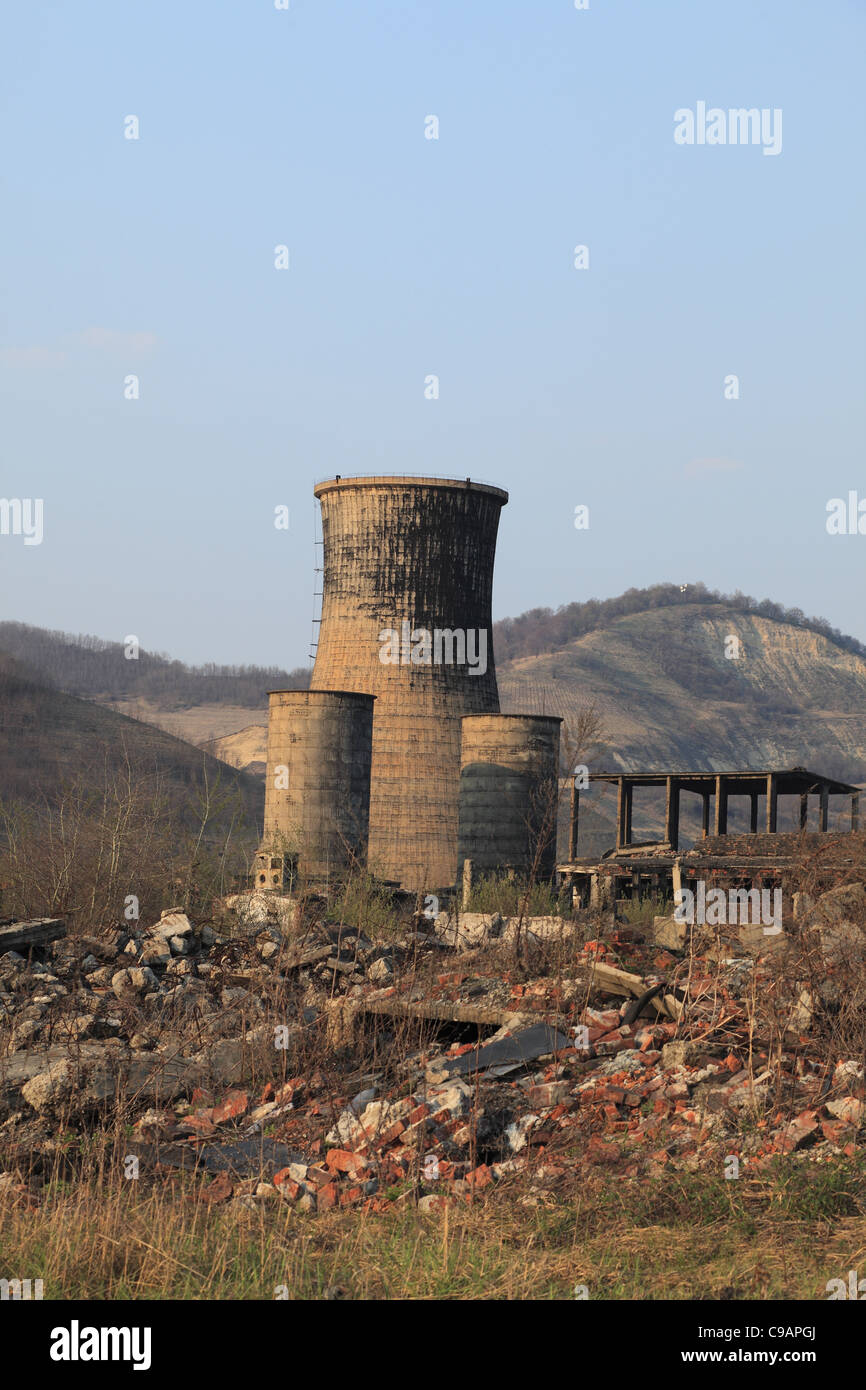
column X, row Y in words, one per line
column 409, row 257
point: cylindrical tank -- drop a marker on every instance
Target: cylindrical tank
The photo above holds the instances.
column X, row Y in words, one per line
column 317, row 790
column 406, row 616
column 509, row 786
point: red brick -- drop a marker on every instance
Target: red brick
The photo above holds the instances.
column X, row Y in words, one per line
column 835, row 1130
column 319, row 1177
column 387, row 1136
column 797, row 1132
column 341, row 1161
column 236, row 1103
column 326, row 1197
column 219, row 1190
column 480, row 1176
column 597, row 1151
column 202, row 1124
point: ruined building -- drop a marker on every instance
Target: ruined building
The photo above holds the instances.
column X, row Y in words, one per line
column 411, row 558
column 406, row 623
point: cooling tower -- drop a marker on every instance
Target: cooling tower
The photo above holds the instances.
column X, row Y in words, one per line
column 406, row 616
column 317, row 790
column 509, row 784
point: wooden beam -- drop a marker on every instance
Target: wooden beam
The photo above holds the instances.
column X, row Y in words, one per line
column 772, row 803
column 804, row 810
column 855, row 810
column 705, row 814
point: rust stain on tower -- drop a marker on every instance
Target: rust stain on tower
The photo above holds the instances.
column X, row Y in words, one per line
column 408, row 557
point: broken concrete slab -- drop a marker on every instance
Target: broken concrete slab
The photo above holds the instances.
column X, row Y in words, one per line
column 536, row 931
column 669, row 933
column 467, row 930
column 24, row 936
column 90, row 1075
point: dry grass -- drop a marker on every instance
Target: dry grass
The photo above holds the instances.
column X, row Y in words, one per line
column 695, row 1237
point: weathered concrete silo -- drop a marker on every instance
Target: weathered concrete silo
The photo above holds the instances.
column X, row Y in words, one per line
column 406, row 616
column 317, row 789
column 509, row 780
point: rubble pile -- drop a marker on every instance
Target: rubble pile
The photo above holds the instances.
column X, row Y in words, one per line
column 504, row 1050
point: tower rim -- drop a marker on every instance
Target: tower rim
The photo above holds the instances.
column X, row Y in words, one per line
column 385, row 480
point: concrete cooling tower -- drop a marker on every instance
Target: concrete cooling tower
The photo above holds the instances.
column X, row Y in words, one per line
column 509, row 790
column 317, row 788
column 406, row 616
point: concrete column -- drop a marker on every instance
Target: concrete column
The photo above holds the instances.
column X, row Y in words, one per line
column 721, row 806
column 804, row 810
column 672, row 812
column 573, row 822
column 855, row 810
column 772, row 803
column 467, row 884
column 825, row 806
column 753, row 813
column 623, row 813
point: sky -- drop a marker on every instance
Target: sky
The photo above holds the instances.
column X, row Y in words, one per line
column 150, row 264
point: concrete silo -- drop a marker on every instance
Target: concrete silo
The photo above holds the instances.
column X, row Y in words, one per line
column 317, row 788
column 509, row 782
column 406, row 616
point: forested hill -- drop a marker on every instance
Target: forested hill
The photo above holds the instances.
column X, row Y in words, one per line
column 98, row 670
column 542, row 630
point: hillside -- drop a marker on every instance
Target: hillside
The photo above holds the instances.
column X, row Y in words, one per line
column 664, row 690
column 48, row 738
column 668, row 697
column 98, row 670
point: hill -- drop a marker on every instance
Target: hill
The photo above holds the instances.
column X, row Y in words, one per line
column 48, row 738
column 657, row 665
column 669, row 697
column 98, row 670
